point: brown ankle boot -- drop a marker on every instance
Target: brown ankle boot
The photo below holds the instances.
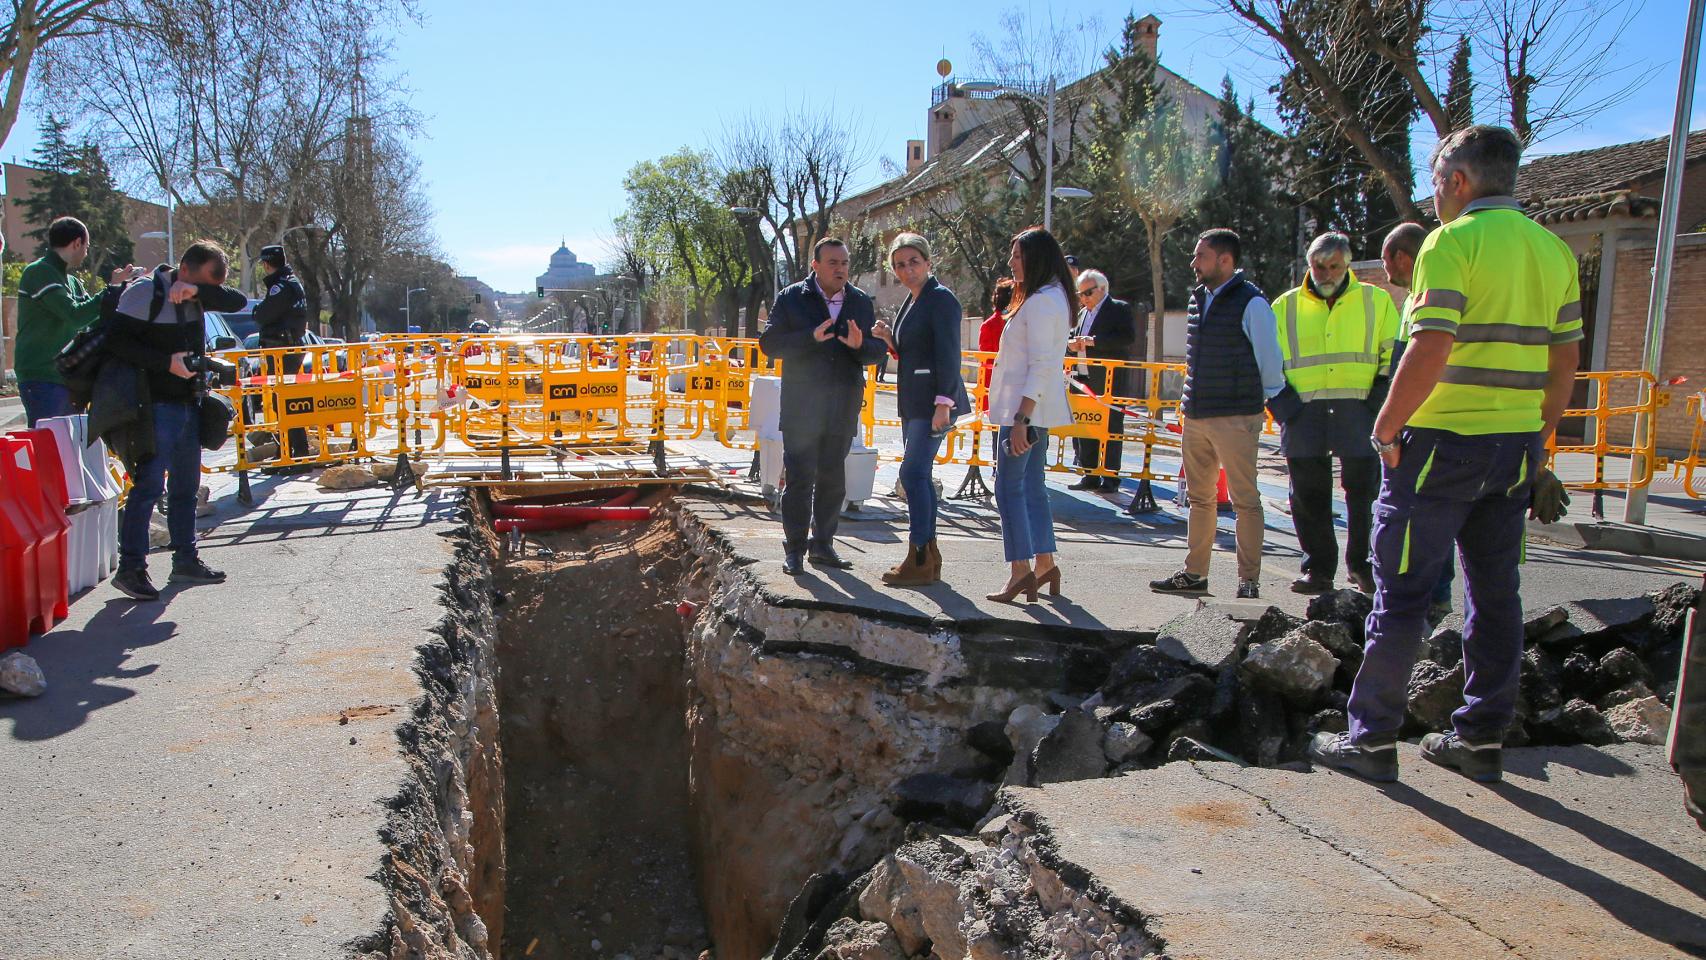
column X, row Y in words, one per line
column 914, row 571
column 935, row 556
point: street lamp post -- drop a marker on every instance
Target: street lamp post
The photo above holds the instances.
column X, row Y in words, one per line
column 408, row 317
column 1049, row 191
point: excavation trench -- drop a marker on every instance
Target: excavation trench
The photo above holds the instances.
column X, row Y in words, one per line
column 680, row 762
column 682, row 755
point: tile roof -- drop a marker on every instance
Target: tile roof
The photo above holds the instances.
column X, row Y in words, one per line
column 1620, row 167
column 977, row 150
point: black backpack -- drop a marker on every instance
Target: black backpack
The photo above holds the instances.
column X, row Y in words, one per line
column 79, row 362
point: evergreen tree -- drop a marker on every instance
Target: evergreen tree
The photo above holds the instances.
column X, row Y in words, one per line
column 1336, row 188
column 1248, row 197
column 1460, row 88
column 1104, row 232
column 76, row 182
column 103, row 213
column 56, row 192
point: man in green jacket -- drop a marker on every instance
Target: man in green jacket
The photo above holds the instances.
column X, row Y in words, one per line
column 52, row 307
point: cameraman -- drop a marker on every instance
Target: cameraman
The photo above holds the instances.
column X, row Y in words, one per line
column 168, row 347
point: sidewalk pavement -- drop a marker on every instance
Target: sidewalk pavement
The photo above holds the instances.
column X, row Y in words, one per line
column 185, row 788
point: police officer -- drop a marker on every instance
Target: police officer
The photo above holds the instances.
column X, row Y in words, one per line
column 283, row 320
column 1335, row 334
column 1497, row 319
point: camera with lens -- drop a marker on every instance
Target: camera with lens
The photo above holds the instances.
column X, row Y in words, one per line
column 211, row 371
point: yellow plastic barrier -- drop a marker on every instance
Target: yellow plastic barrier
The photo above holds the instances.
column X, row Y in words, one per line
column 1686, row 467
column 457, row 395
column 1623, row 401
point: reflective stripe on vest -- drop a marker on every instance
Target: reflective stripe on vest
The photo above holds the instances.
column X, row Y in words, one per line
column 1353, row 372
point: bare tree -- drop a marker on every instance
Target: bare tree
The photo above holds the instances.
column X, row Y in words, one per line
column 33, row 25
column 1024, row 57
column 796, row 171
column 1555, row 59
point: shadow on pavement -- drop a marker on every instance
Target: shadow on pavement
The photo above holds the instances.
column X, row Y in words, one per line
column 1688, row 876
column 1636, row 909
column 77, row 662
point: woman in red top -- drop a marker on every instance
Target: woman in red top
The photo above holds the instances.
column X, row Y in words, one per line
column 989, row 335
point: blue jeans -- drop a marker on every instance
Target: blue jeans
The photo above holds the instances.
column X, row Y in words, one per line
column 916, row 465
column 44, row 399
column 1027, row 523
column 175, row 470
column 1447, row 487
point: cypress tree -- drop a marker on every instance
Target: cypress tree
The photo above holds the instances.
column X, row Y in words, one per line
column 1460, row 88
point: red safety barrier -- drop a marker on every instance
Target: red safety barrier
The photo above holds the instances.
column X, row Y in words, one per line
column 20, row 601
column 23, row 473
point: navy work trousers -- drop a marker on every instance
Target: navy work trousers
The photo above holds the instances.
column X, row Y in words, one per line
column 1448, row 488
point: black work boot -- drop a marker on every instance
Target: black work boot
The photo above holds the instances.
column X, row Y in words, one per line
column 1377, row 762
column 1481, row 762
column 194, row 571
column 133, row 582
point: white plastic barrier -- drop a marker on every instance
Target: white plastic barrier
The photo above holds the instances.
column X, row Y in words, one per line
column 766, row 420
column 94, row 501
column 861, row 471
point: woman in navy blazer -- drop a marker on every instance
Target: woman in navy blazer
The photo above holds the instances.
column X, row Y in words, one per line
column 925, row 341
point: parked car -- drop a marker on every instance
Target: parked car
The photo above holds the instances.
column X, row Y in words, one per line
column 241, row 322
column 253, row 342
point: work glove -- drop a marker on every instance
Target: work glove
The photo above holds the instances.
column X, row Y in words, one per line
column 1285, row 405
column 1548, row 500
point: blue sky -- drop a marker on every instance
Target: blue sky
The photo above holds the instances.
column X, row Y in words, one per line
column 536, row 110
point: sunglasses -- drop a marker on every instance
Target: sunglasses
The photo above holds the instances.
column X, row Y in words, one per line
column 1086, row 291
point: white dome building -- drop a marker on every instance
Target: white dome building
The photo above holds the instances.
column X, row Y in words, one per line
column 566, row 271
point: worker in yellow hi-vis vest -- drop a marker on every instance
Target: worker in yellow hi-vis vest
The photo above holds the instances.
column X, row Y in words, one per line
column 1335, row 335
column 1497, row 319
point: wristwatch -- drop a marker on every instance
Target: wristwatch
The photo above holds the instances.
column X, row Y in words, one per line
column 1020, row 420
column 1384, row 448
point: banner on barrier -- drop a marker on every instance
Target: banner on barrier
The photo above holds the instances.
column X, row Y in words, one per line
column 494, row 386
column 321, row 403
column 1089, row 418
column 710, row 386
column 584, row 390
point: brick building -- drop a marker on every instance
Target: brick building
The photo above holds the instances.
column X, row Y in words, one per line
column 140, row 217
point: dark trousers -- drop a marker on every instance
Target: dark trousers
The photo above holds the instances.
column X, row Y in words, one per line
column 1089, row 452
column 298, row 436
column 814, row 486
column 1474, row 491
column 1312, row 511
column 43, row 399
column 175, row 471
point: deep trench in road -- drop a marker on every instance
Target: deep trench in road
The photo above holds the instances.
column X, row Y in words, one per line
column 592, row 697
column 683, row 756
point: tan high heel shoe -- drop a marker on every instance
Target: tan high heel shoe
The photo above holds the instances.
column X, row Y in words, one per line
column 1026, row 584
column 1051, row 579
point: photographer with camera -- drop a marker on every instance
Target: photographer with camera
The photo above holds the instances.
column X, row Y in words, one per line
column 163, row 338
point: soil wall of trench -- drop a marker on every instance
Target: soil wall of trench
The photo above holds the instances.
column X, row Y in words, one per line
column 625, row 749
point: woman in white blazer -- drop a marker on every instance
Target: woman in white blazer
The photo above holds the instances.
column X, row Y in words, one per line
column 1027, row 397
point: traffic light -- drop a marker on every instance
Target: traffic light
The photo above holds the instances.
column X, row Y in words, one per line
column 539, row 291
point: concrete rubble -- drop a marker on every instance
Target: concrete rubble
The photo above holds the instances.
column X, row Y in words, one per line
column 21, row 676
